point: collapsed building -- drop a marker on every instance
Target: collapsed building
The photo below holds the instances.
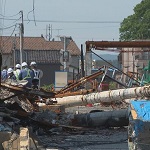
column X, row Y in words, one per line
column 24, row 111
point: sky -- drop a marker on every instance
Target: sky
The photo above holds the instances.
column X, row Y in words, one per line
column 83, row 20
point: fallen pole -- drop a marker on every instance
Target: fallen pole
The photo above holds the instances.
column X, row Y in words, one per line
column 104, row 97
column 116, row 118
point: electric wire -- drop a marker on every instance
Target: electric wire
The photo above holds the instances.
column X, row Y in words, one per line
column 71, row 21
column 33, row 14
column 7, row 27
column 9, row 16
column 61, row 21
column 13, row 22
column 10, row 35
column 114, row 66
column 2, row 41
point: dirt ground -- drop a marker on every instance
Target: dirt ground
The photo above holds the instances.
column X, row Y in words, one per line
column 86, row 139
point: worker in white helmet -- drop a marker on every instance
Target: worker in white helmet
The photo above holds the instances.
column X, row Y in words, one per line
column 17, row 71
column 26, row 74
column 36, row 79
column 10, row 73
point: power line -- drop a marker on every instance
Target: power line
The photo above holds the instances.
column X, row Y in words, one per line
column 33, row 13
column 9, row 16
column 7, row 27
column 61, row 21
column 11, row 33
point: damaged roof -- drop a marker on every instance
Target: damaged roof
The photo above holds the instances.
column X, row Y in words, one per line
column 36, row 43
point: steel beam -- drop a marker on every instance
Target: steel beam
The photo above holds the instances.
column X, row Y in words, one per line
column 117, row 44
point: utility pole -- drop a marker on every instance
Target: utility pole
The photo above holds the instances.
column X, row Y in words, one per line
column 65, row 64
column 21, row 37
column 49, row 30
column 14, row 50
column 82, row 61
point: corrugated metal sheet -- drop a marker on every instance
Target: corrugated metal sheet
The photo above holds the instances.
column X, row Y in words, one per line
column 40, row 56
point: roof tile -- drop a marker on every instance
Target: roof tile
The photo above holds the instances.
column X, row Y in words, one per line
column 36, row 43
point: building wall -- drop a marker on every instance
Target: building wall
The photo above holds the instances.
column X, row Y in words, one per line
column 48, row 73
column 75, row 61
column 7, row 60
column 134, row 61
column 48, row 62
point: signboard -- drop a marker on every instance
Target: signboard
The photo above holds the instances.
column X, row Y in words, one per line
column 60, row 79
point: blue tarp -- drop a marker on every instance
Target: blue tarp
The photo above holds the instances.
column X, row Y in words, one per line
column 142, row 108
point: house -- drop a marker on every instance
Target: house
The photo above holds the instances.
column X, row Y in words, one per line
column 45, row 53
column 135, row 59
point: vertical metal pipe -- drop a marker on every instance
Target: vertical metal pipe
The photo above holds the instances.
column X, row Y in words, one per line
column 21, row 37
column 21, row 43
column 64, row 51
column 82, row 62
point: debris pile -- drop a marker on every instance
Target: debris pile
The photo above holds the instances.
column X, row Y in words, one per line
column 54, row 118
column 26, row 113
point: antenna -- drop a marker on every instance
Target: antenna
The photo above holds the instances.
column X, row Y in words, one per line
column 50, row 32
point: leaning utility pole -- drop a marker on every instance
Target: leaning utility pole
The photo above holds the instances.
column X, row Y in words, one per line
column 104, row 97
column 21, row 37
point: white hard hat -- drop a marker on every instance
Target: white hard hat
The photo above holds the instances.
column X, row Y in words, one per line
column 10, row 70
column 24, row 64
column 32, row 63
column 18, row 66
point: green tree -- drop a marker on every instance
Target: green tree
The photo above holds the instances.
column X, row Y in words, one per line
column 137, row 26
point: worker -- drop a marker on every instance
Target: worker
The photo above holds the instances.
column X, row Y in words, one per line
column 17, row 71
column 11, row 75
column 4, row 74
column 26, row 74
column 37, row 73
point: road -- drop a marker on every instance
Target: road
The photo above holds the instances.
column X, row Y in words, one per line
column 86, row 139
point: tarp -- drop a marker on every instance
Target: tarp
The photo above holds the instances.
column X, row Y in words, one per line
column 142, row 109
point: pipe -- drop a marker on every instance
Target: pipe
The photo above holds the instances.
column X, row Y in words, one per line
column 116, row 118
column 82, row 62
column 106, row 96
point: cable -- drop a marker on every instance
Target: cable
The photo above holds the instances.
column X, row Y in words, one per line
column 8, row 39
column 33, row 14
column 9, row 16
column 7, row 27
column 10, row 34
column 56, row 21
column 73, row 21
column 12, row 22
column 13, row 31
column 114, row 66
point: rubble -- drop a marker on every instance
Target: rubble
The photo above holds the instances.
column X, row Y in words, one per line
column 27, row 115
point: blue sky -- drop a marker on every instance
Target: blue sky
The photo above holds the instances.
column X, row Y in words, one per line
column 97, row 12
